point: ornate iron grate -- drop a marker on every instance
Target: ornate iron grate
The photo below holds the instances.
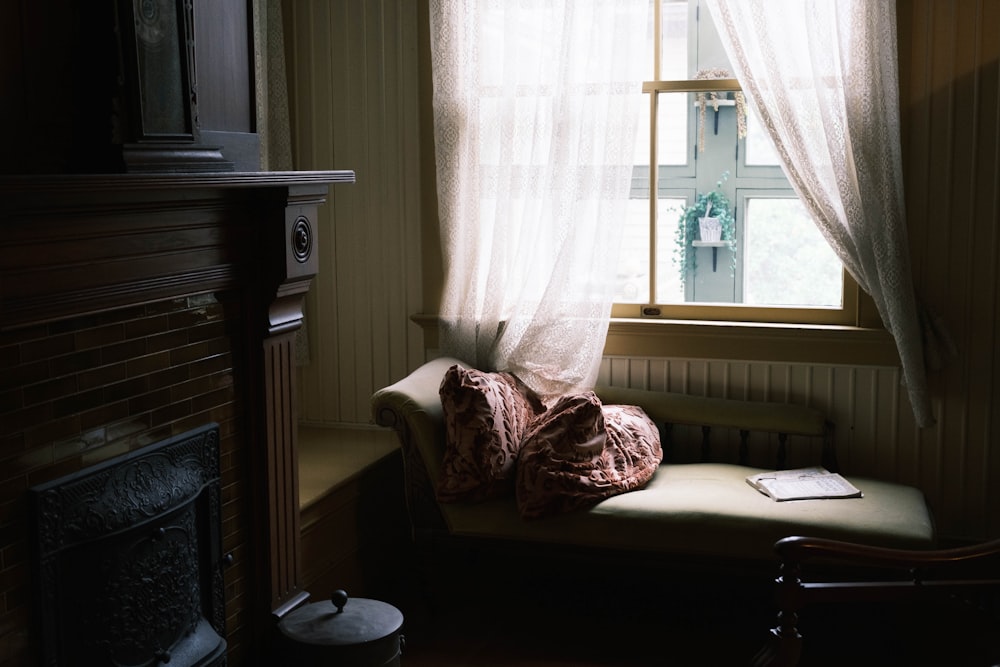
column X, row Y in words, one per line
column 128, row 563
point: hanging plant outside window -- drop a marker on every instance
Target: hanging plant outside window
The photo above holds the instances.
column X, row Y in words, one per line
column 714, row 204
column 713, row 98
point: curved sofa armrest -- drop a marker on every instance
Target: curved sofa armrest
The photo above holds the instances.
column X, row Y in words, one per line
column 412, row 407
column 417, row 392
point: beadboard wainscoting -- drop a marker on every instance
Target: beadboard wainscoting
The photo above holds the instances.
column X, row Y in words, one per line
column 353, row 97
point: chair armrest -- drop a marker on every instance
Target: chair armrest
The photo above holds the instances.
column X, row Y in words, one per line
column 973, row 574
column 797, row 549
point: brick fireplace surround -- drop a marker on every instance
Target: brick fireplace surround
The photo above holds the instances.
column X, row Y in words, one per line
column 137, row 307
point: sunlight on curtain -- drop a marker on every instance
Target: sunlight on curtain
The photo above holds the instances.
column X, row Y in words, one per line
column 822, row 77
column 536, row 109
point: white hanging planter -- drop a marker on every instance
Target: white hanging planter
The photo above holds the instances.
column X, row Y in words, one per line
column 709, row 229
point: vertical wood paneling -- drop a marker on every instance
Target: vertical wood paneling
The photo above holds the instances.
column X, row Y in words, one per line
column 353, row 87
column 951, row 113
column 984, row 305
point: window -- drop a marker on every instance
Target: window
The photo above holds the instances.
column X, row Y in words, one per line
column 772, row 264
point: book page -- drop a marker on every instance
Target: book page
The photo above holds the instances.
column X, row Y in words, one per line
column 809, row 487
column 803, row 484
column 795, row 473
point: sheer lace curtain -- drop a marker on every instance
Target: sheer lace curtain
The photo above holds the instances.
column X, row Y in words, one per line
column 273, row 119
column 536, row 107
column 822, row 77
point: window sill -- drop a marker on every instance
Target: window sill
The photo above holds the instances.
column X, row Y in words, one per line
column 751, row 341
column 738, row 341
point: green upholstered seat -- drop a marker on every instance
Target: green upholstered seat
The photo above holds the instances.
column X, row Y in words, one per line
column 709, row 509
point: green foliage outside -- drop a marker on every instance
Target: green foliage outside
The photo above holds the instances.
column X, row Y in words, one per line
column 716, row 204
column 787, row 262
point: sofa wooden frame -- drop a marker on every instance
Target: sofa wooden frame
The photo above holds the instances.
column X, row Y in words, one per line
column 970, row 573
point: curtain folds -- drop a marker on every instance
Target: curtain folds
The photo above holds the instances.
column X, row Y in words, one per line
column 822, row 76
column 536, row 107
column 278, row 138
column 273, row 117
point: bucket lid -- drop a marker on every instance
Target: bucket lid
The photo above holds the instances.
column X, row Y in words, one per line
column 342, row 622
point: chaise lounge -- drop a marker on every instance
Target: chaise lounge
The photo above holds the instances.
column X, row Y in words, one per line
column 686, row 509
column 687, row 512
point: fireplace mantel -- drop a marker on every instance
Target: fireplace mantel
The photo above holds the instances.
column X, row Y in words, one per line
column 75, row 246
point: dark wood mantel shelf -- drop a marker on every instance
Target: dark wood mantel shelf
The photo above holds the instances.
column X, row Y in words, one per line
column 169, row 180
column 158, row 236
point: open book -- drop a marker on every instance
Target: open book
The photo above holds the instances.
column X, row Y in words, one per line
column 802, row 484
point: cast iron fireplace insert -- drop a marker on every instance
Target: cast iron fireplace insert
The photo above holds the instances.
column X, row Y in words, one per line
column 128, row 563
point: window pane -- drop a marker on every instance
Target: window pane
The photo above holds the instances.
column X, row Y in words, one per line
column 672, row 128
column 786, row 260
column 760, row 150
column 642, row 142
column 632, row 282
column 669, row 288
column 674, row 55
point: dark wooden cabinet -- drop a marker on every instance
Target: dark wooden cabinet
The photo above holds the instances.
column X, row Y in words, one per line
column 127, row 86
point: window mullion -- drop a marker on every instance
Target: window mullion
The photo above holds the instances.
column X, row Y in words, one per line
column 654, row 175
column 654, row 178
